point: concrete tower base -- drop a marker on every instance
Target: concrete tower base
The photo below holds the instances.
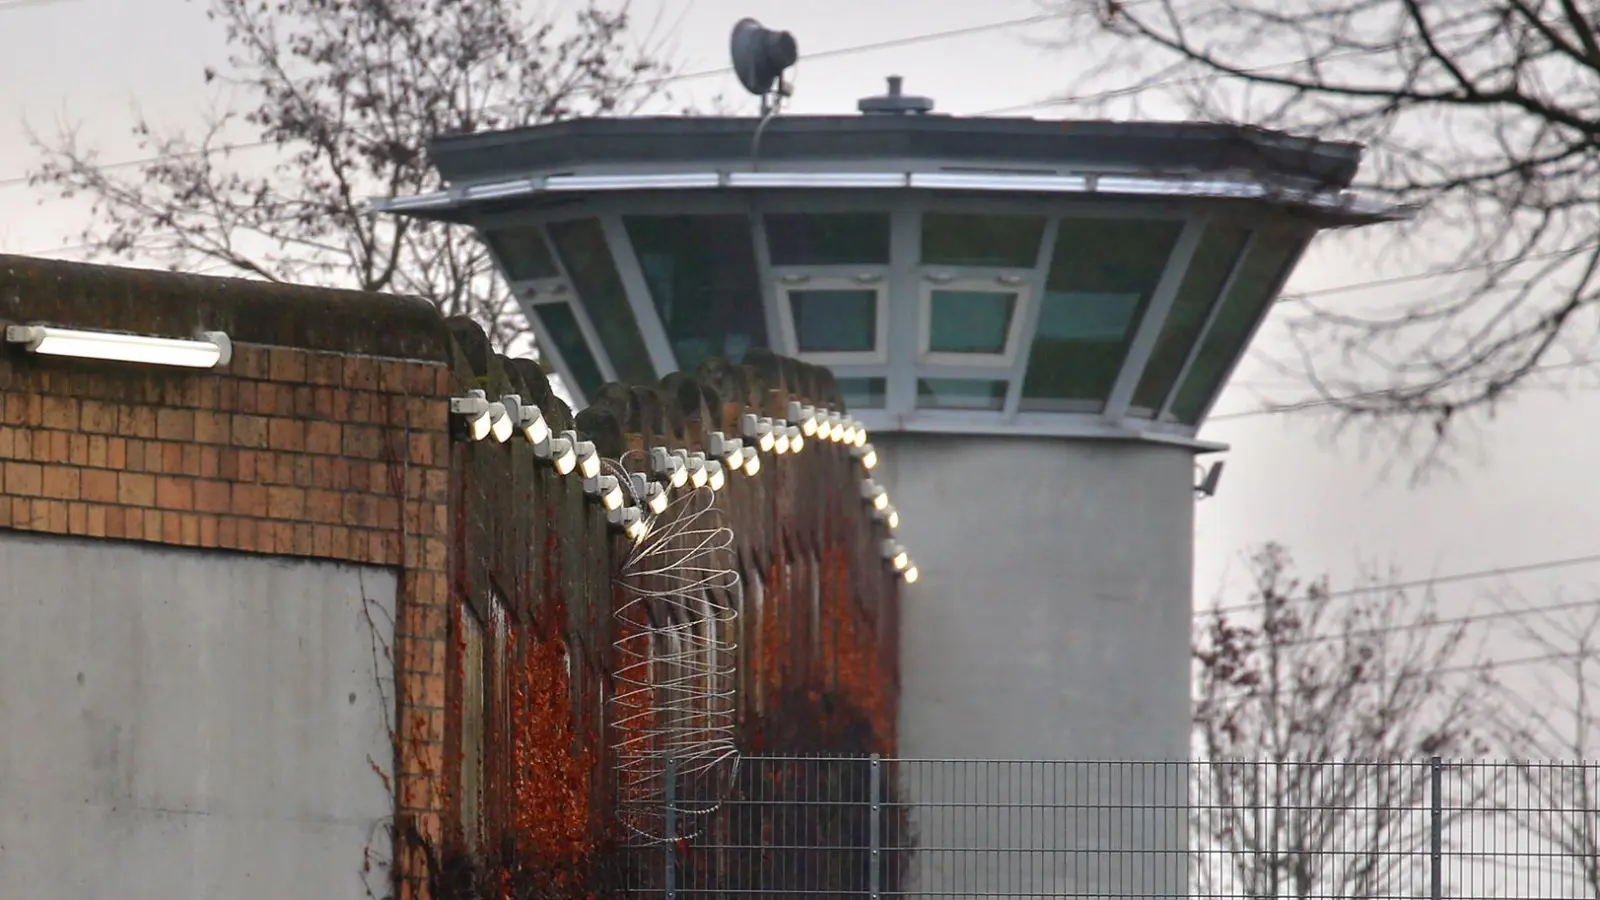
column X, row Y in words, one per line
column 1052, row 622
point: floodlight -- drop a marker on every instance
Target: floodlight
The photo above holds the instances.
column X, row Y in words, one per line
column 474, row 408
column 806, row 416
column 527, row 418
column 729, row 450
column 630, row 520
column 588, row 459
column 714, row 476
column 780, row 442
column 695, row 463
column 759, row 428
column 562, row 456
column 824, row 426
column 797, row 441
column 1208, row 483
column 500, row 422
column 605, row 488
column 752, row 464
column 889, row 516
column 213, row 348
column 867, row 455
column 835, row 427
column 911, row 574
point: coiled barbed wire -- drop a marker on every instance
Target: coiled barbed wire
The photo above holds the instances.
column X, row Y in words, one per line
column 674, row 696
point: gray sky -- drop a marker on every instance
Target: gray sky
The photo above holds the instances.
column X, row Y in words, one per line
column 1524, row 498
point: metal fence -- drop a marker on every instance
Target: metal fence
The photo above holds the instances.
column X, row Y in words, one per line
column 877, row 828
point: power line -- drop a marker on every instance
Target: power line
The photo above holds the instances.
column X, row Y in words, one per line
column 1429, row 624
column 1453, row 578
column 834, row 53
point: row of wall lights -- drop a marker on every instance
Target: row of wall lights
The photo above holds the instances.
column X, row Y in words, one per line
column 669, row 469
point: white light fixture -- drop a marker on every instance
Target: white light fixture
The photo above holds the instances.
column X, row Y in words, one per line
column 889, row 516
column 797, row 440
column 896, row 555
column 874, row 493
column 780, row 442
column 835, row 427
column 852, row 432
column 729, row 450
column 474, row 408
column 752, row 464
column 824, row 426
column 695, row 465
column 562, row 456
column 526, row 418
column 911, row 574
column 805, row 415
column 630, row 520
column 714, row 476
column 758, row 429
column 588, row 459
column 604, row 488
column 499, row 422
column 651, row 494
column 861, row 436
column 211, row 350
column 667, row 465
column 867, row 455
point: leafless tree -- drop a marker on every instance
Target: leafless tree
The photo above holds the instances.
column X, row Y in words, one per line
column 1484, row 112
column 1315, row 719
column 1548, row 725
column 340, row 102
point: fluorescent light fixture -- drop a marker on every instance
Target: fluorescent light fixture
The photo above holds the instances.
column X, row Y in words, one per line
column 526, row 418
column 212, row 349
column 474, row 407
column 911, row 574
column 714, row 476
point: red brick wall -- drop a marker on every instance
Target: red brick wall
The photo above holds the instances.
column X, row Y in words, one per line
column 286, row 451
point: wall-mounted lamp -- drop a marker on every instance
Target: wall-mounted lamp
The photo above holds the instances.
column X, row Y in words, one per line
column 650, row 493
column 1207, row 486
column 752, row 463
column 797, row 439
column 805, row 416
column 889, row 516
column 867, row 455
column 780, row 440
column 824, row 424
column 759, row 430
column 588, row 459
column 482, row 417
column 911, row 574
column 212, row 349
column 695, row 465
column 527, row 418
column 604, row 488
column 714, row 476
column 668, row 467
column 896, row 555
column 730, row 450
column 874, row 494
column 630, row 520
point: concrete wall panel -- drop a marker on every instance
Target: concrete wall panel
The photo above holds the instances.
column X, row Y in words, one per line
column 177, row 723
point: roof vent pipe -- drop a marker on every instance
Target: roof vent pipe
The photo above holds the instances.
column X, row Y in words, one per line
column 895, row 103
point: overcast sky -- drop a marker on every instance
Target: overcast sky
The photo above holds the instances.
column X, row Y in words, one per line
column 1527, row 497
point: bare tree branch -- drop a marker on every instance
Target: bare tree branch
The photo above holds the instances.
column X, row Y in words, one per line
column 1484, row 112
column 346, row 96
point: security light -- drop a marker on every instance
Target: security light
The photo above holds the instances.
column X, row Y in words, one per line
column 896, row 555
column 730, row 450
column 780, row 441
column 500, row 422
column 758, row 429
column 911, row 574
column 588, row 459
column 806, row 416
column 752, row 464
column 714, row 476
column 797, row 441
column 475, row 409
column 668, row 466
column 867, row 455
column 861, row 435
column 824, row 426
column 835, row 427
column 606, row 489
column 1208, row 483
column 213, row 349
column 873, row 493
column 563, row 456
column 527, row 418
column 630, row 520
column 695, row 465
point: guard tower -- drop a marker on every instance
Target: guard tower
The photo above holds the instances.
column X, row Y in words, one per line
column 1032, row 318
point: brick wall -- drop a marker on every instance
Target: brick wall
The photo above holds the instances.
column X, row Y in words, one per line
column 328, row 437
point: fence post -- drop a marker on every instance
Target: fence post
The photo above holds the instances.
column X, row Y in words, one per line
column 1436, row 837
column 670, row 828
column 875, row 827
